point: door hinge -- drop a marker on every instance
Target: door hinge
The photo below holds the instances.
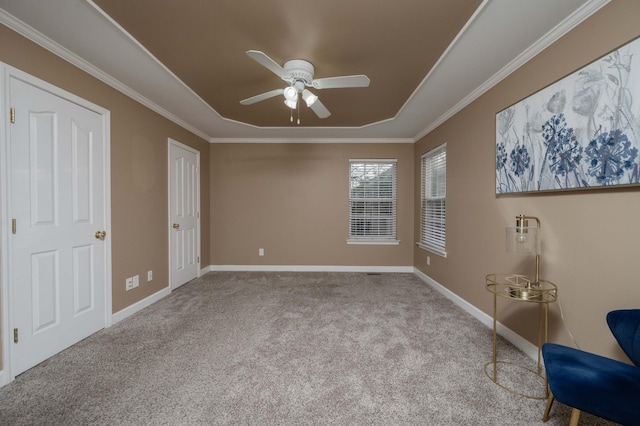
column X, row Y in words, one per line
column 12, row 115
column 198, row 215
column 198, row 259
column 14, row 226
column 15, row 335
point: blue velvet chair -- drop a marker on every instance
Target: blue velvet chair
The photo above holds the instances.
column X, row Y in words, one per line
column 601, row 386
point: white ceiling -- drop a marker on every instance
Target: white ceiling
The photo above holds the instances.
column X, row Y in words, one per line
column 501, row 36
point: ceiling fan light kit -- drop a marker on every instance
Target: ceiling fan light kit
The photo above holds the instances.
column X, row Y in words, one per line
column 309, row 97
column 299, row 75
column 291, row 97
column 291, row 93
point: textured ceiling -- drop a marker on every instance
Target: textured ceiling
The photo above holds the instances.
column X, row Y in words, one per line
column 204, row 43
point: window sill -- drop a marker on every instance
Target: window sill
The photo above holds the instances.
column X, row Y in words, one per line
column 374, row 242
column 433, row 250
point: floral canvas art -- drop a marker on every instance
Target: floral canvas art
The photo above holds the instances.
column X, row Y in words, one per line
column 580, row 132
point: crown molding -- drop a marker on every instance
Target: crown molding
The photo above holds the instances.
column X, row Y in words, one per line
column 575, row 19
column 312, row 140
column 43, row 41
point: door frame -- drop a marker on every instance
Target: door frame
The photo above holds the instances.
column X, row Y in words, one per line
column 6, row 73
column 170, row 143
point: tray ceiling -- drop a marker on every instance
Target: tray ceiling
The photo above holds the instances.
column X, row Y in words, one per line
column 426, row 58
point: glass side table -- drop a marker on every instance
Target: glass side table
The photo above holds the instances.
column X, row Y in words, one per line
column 523, row 289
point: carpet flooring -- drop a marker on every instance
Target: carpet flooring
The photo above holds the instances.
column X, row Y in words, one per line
column 271, row 348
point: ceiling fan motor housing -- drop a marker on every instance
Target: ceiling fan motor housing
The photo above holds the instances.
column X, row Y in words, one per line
column 300, row 70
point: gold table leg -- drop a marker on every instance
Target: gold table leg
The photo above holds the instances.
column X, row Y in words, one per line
column 495, row 338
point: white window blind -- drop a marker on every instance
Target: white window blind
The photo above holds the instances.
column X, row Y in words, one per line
column 433, row 200
column 372, row 201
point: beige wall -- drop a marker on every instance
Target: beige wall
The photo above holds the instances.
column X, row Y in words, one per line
column 292, row 200
column 138, row 169
column 591, row 239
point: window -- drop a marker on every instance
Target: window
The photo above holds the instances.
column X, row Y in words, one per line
column 372, row 202
column 433, row 200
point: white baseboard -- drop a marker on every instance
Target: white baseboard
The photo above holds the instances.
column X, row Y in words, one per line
column 518, row 341
column 205, row 270
column 311, row 268
column 138, row 306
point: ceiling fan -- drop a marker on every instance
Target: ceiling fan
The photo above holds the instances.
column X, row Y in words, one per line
column 299, row 75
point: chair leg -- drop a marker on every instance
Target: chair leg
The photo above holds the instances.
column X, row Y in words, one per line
column 575, row 417
column 545, row 417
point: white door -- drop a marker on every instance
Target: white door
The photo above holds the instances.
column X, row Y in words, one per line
column 56, row 205
column 184, row 213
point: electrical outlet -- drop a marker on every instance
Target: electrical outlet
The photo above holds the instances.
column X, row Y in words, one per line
column 149, row 276
column 136, row 281
column 129, row 284
column 260, row 252
column 428, row 260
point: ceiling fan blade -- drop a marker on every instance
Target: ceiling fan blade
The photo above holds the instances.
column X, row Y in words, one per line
column 262, row 97
column 341, row 82
column 320, row 110
column 269, row 64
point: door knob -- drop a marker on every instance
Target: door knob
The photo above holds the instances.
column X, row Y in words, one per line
column 176, row 225
column 101, row 234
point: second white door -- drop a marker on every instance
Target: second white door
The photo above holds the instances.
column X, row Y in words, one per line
column 184, row 213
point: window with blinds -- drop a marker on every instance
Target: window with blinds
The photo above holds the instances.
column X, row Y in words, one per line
column 372, row 201
column 433, row 200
